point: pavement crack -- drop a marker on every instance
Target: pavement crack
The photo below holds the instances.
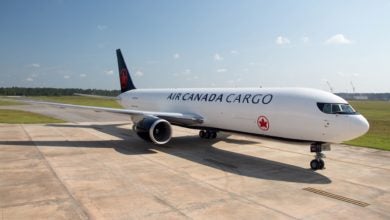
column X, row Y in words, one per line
column 81, row 211
column 166, row 203
column 36, row 203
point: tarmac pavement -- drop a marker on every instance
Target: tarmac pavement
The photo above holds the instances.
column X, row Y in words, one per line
column 95, row 167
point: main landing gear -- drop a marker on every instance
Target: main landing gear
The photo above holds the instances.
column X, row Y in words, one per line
column 318, row 163
column 208, row 134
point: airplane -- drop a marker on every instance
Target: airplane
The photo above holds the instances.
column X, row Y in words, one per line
column 299, row 114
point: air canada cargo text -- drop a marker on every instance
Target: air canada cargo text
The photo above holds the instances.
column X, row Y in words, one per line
column 228, row 98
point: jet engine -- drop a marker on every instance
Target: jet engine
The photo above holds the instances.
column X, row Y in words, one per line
column 154, row 129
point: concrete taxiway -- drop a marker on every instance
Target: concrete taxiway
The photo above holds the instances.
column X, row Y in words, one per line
column 95, row 168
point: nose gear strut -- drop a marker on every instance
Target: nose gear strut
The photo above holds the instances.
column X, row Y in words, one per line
column 318, row 163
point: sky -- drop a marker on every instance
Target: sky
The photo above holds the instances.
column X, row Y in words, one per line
column 343, row 45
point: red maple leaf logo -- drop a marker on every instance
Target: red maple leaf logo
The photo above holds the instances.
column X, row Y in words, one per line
column 123, row 78
column 263, row 123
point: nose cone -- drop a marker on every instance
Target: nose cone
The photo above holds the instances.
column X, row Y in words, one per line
column 359, row 126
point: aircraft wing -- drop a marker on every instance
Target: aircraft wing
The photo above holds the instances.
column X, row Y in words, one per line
column 97, row 96
column 173, row 117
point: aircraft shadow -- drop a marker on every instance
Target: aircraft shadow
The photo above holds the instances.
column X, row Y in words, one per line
column 199, row 151
column 202, row 152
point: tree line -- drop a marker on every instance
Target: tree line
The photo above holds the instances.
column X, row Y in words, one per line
column 21, row 91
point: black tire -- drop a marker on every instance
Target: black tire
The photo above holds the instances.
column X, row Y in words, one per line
column 201, row 134
column 207, row 135
column 214, row 135
column 314, row 164
column 321, row 164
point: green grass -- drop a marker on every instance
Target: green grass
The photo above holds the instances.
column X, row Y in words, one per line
column 23, row 117
column 80, row 100
column 378, row 115
column 4, row 102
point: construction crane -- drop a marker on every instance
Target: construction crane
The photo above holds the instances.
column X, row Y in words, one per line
column 330, row 87
column 353, row 87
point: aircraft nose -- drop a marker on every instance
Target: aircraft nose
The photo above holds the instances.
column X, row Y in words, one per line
column 359, row 125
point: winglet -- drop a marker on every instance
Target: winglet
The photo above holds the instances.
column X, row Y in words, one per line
column 124, row 76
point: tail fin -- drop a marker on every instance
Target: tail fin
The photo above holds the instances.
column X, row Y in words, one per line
column 124, row 76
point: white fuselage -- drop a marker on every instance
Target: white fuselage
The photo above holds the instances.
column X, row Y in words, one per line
column 279, row 112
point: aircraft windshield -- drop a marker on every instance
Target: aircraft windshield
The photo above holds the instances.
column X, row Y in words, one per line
column 336, row 108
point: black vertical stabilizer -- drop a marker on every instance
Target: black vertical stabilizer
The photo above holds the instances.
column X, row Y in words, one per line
column 124, row 76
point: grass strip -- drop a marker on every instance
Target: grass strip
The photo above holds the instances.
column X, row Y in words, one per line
column 23, row 117
column 378, row 115
column 4, row 102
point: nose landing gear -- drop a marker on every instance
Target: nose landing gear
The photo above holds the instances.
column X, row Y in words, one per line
column 318, row 163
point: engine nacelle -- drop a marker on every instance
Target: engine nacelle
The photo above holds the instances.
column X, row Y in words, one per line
column 154, row 129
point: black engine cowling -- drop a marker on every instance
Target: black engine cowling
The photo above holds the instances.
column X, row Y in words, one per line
column 153, row 129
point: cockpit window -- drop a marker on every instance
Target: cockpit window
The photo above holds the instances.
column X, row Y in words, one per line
column 336, row 108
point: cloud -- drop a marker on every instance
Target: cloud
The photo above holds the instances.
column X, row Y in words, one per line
column 221, row 70
column 36, row 65
column 186, row 72
column 139, row 73
column 234, row 52
column 305, row 39
column 218, row 57
column 109, row 72
column 66, row 76
column 230, row 81
column 338, row 39
column 83, row 75
column 324, row 80
column 176, row 56
column 233, row 81
column 341, row 74
column 30, row 79
column 280, row 40
column 152, row 62
column 102, row 27
column 347, row 75
column 195, row 77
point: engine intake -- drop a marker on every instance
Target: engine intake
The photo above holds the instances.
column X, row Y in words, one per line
column 154, row 129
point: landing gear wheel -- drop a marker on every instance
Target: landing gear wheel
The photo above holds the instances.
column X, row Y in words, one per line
column 208, row 134
column 317, row 164
column 317, row 148
column 321, row 164
column 314, row 165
